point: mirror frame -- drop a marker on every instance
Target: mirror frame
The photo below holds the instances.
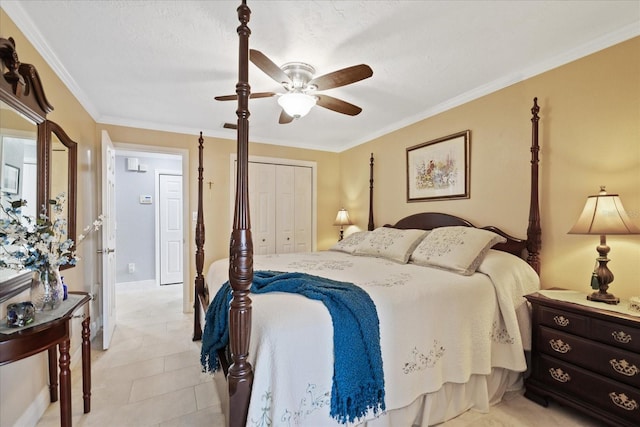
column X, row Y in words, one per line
column 21, row 89
column 50, row 129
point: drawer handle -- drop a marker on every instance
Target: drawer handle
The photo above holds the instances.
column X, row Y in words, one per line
column 560, row 346
column 623, row 367
column 622, row 400
column 621, row 336
column 559, row 375
column 561, row 321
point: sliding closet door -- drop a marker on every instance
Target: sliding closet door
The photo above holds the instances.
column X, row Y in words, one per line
column 262, row 207
column 303, row 188
column 281, row 208
column 285, row 207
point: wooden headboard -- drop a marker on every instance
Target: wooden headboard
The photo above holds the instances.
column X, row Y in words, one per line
column 431, row 220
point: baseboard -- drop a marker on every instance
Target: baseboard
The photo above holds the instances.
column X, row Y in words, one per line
column 36, row 409
column 39, row 405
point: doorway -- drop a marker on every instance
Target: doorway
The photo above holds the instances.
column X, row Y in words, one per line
column 137, row 211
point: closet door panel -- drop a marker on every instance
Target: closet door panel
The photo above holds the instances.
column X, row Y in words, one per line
column 285, row 206
column 302, row 209
column 262, row 202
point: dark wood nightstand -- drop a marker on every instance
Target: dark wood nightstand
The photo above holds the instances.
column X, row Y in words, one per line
column 587, row 358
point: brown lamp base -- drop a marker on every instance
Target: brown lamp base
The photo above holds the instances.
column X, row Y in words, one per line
column 603, row 297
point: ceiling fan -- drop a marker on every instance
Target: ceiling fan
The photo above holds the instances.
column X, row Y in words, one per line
column 297, row 78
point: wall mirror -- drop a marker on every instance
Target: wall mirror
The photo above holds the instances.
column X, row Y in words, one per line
column 62, row 170
column 18, row 165
column 24, row 150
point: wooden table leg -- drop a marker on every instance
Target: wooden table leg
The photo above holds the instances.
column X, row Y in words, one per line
column 65, row 384
column 53, row 373
column 86, row 364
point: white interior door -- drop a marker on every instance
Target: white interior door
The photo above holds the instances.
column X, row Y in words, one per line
column 171, row 238
column 108, row 240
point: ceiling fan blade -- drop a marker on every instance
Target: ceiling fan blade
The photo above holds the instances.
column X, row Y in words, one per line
column 342, row 77
column 337, row 105
column 284, row 118
column 261, row 61
column 226, row 98
column 251, row 96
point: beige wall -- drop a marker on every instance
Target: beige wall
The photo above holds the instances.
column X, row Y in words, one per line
column 589, row 136
column 24, row 383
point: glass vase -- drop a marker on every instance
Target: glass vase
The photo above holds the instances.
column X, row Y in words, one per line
column 46, row 289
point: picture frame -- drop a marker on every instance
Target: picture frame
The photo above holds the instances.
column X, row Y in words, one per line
column 10, row 179
column 439, row 169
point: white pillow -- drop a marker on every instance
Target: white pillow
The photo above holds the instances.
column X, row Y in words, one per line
column 458, row 249
column 391, row 243
column 350, row 243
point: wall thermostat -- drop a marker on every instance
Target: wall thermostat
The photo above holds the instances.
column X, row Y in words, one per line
column 132, row 164
column 145, row 200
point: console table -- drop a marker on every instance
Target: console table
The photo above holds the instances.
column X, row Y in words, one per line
column 19, row 343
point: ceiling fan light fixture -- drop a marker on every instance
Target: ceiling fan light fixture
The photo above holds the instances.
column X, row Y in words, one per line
column 296, row 104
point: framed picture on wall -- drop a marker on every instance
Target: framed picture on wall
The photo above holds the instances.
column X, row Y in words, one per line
column 10, row 179
column 439, row 169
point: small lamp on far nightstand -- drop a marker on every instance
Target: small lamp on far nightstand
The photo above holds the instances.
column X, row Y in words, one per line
column 604, row 214
column 342, row 219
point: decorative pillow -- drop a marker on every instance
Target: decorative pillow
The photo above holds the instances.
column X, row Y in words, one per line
column 350, row 243
column 458, row 249
column 390, row 243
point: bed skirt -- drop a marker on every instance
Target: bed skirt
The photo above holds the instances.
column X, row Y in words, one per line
column 478, row 394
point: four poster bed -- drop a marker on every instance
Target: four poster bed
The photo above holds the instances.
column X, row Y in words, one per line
column 448, row 330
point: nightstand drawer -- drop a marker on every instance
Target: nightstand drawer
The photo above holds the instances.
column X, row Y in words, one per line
column 573, row 382
column 618, row 335
column 610, row 361
column 565, row 321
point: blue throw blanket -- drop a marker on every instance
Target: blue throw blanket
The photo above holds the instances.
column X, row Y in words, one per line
column 358, row 380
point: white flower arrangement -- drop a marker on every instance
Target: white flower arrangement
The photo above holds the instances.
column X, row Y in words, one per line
column 38, row 244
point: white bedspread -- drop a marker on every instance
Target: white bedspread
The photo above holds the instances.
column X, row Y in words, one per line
column 435, row 327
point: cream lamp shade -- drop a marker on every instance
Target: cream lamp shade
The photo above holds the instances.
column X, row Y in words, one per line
column 603, row 214
column 342, row 218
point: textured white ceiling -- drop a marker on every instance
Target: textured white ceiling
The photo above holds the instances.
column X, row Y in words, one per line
column 158, row 64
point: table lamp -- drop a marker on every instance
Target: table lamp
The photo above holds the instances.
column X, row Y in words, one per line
column 342, row 219
column 603, row 214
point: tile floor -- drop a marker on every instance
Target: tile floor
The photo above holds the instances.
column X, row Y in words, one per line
column 151, row 376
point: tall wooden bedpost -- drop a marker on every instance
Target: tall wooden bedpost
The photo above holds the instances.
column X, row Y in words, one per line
column 534, row 233
column 201, row 289
column 370, row 226
column 240, row 376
